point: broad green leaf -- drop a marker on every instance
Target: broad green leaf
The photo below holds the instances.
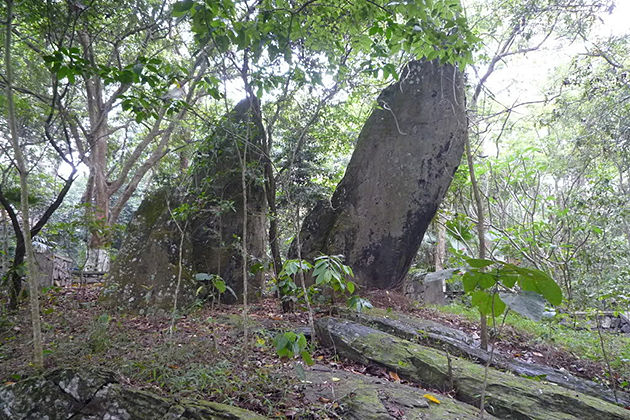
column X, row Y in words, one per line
column 350, row 286
column 280, row 342
column 181, row 7
column 529, row 304
column 534, row 280
column 488, row 304
column 475, row 279
column 306, row 356
column 479, row 263
column 219, row 285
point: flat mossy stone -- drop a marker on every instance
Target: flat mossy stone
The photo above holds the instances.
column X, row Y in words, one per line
column 95, row 394
column 363, row 397
column 506, row 395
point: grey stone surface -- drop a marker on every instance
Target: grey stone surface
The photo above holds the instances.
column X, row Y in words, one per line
column 144, row 276
column 507, row 396
column 428, row 288
column 457, row 343
column 363, row 397
column 92, row 394
column 404, row 161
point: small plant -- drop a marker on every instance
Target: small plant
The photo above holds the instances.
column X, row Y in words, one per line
column 291, row 345
column 98, row 340
column 331, row 272
column 495, row 285
column 286, row 286
column 213, row 286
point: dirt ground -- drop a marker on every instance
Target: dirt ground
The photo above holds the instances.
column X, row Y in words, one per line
column 206, row 356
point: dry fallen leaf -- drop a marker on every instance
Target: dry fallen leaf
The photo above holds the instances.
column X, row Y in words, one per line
column 394, row 376
column 431, row 398
column 335, row 379
column 324, row 400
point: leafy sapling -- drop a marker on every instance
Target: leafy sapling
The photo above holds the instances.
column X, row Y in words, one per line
column 496, row 285
column 291, row 345
column 330, row 272
column 285, row 285
column 213, row 286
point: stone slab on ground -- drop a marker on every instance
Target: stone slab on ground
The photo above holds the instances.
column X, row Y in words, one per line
column 94, row 394
column 363, row 397
column 457, row 343
column 506, row 395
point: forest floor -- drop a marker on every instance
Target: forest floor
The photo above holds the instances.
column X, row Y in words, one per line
column 205, row 357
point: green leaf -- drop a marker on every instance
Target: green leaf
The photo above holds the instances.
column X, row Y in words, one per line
column 301, row 341
column 219, row 284
column 488, row 304
column 306, row 356
column 280, row 342
column 350, row 286
column 534, row 280
column 475, row 279
column 181, row 7
column 479, row 263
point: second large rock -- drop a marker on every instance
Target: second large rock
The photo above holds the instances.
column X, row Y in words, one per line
column 404, row 161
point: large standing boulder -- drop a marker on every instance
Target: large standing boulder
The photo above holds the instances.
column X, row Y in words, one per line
column 143, row 277
column 404, row 162
column 145, row 273
column 217, row 227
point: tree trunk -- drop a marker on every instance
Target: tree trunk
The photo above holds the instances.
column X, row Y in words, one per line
column 98, row 211
column 270, row 189
column 481, row 232
column 439, row 256
column 31, row 266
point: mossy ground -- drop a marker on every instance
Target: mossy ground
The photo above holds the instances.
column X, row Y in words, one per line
column 205, row 360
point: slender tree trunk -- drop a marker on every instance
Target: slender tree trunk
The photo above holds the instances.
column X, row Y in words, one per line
column 440, row 244
column 31, row 267
column 244, row 242
column 311, row 322
column 4, row 262
column 270, row 189
column 481, row 230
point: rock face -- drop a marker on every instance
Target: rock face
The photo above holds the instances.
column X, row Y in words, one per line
column 507, row 396
column 363, row 397
column 403, row 163
column 64, row 393
column 144, row 276
column 428, row 288
column 459, row 344
column 216, row 229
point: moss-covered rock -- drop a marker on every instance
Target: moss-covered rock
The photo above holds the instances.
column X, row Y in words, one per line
column 93, row 394
column 457, row 343
column 506, row 396
column 363, row 397
column 144, row 275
